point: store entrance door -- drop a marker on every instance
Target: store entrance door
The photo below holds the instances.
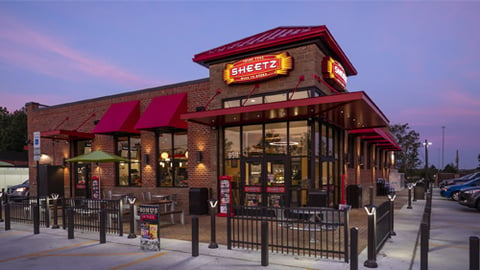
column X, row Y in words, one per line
column 264, row 181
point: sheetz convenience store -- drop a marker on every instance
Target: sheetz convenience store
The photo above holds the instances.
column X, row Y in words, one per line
column 274, row 124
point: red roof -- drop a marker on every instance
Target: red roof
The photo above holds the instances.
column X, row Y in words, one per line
column 164, row 112
column 68, row 135
column 276, row 37
column 119, row 118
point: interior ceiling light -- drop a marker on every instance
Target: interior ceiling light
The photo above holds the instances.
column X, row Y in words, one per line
column 283, row 143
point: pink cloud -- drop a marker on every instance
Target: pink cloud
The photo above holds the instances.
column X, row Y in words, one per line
column 32, row 49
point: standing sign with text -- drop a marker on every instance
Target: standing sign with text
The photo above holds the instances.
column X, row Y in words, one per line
column 149, row 227
column 225, row 195
column 95, row 187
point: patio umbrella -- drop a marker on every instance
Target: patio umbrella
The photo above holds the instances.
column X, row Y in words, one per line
column 97, row 156
column 5, row 164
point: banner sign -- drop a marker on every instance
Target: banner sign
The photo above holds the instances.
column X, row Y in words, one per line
column 334, row 73
column 258, row 68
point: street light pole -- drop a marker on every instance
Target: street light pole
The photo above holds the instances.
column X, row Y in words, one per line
column 427, row 180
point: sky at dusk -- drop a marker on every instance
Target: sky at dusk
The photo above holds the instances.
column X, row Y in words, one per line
column 417, row 60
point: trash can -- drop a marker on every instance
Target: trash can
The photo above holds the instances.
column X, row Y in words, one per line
column 381, row 189
column 419, row 191
column 317, row 198
column 354, row 196
column 198, row 201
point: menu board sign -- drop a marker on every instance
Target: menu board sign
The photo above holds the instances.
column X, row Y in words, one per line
column 149, row 227
column 225, row 194
column 95, row 187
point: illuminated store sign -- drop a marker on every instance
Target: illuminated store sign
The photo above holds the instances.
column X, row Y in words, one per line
column 258, row 68
column 334, row 73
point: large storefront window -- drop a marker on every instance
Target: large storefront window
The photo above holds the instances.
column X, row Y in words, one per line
column 129, row 172
column 173, row 159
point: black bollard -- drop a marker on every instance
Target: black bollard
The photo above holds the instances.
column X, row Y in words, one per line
column 213, row 241
column 354, row 248
column 7, row 216
column 194, row 236
column 474, row 253
column 70, row 223
column 264, row 243
column 391, row 199
column 371, row 262
column 423, row 246
column 132, row 218
column 103, row 226
column 44, row 204
column 410, row 186
column 2, row 193
column 55, row 214
column 36, row 219
column 371, row 194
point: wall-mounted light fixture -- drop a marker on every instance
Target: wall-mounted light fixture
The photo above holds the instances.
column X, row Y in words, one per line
column 64, row 162
column 146, row 159
column 199, row 156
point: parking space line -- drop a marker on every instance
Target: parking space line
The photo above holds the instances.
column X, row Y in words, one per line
column 138, row 261
column 42, row 253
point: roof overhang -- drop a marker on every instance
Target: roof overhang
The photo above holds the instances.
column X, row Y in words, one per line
column 347, row 110
column 377, row 136
column 68, row 135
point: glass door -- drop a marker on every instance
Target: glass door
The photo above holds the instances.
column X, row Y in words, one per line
column 253, row 182
column 264, row 181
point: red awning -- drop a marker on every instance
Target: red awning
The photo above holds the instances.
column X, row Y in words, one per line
column 119, row 118
column 69, row 135
column 164, row 112
column 347, row 110
column 378, row 136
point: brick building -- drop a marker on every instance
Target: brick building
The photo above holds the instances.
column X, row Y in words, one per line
column 274, row 121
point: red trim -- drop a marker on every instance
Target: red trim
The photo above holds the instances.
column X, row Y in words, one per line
column 277, row 37
column 120, row 118
column 378, row 136
column 344, row 110
column 69, row 135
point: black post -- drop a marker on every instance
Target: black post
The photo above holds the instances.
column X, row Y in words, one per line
column 132, row 220
column 103, row 226
column 410, row 186
column 70, row 223
column 47, row 212
column 213, row 232
column 371, row 194
column 194, row 236
column 55, row 214
column 423, row 246
column 36, row 219
column 372, row 241
column 1, row 203
column 354, row 248
column 264, row 243
column 229, row 228
column 7, row 216
column 474, row 253
column 391, row 198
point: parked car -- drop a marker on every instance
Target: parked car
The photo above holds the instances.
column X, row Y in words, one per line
column 20, row 191
column 460, row 180
column 453, row 191
column 470, row 197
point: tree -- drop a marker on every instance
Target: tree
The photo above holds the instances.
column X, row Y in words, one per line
column 409, row 140
column 13, row 130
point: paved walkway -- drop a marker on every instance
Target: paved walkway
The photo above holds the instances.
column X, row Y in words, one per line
column 21, row 249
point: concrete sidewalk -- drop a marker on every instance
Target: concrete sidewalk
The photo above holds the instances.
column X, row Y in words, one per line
column 20, row 248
